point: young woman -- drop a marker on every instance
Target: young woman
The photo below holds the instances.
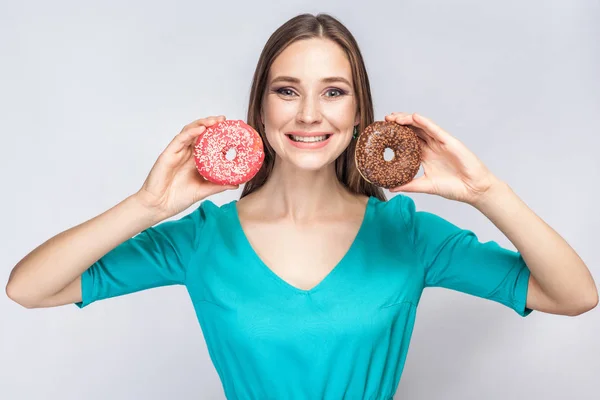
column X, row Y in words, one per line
column 307, row 287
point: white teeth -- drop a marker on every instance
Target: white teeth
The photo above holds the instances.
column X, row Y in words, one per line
column 308, row 139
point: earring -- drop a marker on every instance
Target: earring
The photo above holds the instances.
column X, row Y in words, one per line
column 355, row 132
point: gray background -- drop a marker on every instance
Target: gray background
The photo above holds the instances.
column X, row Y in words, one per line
column 91, row 93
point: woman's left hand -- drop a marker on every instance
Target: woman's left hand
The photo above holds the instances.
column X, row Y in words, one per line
column 450, row 169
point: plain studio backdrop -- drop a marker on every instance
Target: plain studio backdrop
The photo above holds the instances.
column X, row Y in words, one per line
column 90, row 94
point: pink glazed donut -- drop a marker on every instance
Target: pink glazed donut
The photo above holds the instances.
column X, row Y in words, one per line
column 229, row 153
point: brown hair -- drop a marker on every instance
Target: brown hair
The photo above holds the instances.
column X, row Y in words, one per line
column 301, row 27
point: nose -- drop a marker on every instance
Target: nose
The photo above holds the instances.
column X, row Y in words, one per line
column 310, row 110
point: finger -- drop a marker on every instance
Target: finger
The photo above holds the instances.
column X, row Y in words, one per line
column 185, row 139
column 190, row 133
column 403, row 118
column 426, row 149
column 417, row 185
column 392, row 116
column 193, row 130
column 431, row 128
column 207, row 121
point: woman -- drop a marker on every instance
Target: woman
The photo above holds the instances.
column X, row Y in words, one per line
column 307, row 287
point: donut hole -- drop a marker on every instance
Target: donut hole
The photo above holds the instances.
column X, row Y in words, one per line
column 388, row 154
column 230, row 154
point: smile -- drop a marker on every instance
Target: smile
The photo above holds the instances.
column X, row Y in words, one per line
column 308, row 139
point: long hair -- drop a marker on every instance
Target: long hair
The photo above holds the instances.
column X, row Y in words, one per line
column 301, row 27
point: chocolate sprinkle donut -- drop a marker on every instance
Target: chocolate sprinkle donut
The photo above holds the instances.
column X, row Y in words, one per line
column 369, row 154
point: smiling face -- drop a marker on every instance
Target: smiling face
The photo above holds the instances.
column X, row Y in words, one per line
column 309, row 109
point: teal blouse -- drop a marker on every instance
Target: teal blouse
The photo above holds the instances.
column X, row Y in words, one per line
column 347, row 337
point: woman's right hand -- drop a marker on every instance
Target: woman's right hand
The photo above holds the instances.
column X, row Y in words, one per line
column 174, row 183
column 50, row 275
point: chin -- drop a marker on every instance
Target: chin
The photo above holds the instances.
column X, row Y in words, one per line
column 310, row 162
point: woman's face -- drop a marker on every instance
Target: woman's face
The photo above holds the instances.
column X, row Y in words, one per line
column 309, row 109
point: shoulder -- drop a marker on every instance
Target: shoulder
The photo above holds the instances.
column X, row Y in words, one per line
column 392, row 217
column 207, row 211
column 203, row 217
column 198, row 226
column 401, row 212
column 397, row 207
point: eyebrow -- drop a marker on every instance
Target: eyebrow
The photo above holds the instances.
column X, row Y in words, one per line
column 331, row 79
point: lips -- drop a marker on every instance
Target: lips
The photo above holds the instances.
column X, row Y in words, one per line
column 309, row 140
column 301, row 133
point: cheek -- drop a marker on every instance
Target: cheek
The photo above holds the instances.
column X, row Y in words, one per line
column 342, row 107
column 276, row 116
column 340, row 114
column 278, row 110
column 273, row 123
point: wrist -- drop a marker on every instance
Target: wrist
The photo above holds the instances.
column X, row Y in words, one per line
column 145, row 209
column 494, row 195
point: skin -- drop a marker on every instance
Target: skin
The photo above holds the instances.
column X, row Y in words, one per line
column 50, row 275
column 303, row 206
column 303, row 203
column 560, row 282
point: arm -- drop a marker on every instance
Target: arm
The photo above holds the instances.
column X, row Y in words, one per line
column 50, row 275
column 114, row 263
column 560, row 282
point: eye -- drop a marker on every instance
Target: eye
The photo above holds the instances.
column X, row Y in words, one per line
column 339, row 92
column 285, row 91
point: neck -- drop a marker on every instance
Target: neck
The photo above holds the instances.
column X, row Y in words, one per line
column 304, row 194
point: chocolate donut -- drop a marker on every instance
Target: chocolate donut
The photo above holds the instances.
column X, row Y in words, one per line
column 369, row 154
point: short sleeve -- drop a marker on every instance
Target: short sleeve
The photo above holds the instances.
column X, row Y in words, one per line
column 157, row 256
column 454, row 258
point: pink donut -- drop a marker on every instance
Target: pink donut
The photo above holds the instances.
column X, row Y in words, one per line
column 213, row 145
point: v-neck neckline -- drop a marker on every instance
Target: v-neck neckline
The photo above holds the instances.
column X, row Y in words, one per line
column 248, row 246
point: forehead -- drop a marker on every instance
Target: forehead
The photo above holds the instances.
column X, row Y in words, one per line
column 312, row 59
